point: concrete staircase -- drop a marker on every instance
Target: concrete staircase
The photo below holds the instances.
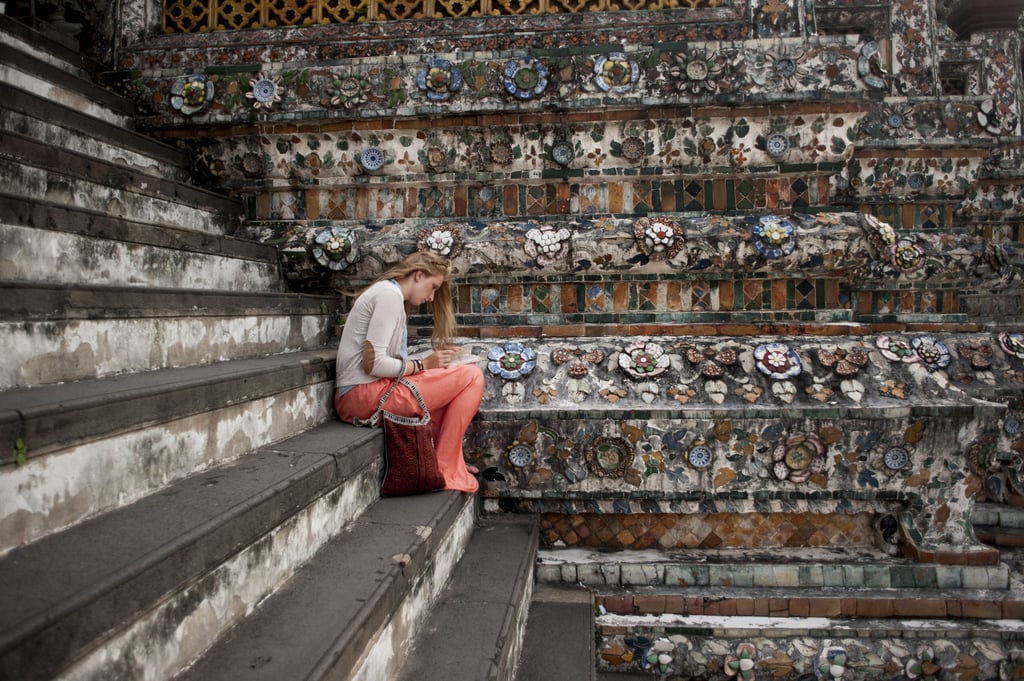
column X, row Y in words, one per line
column 176, row 497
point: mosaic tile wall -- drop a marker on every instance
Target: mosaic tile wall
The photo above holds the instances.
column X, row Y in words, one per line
column 781, row 228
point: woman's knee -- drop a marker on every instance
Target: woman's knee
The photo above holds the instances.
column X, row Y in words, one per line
column 474, row 377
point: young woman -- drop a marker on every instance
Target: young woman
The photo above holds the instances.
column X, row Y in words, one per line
column 373, row 352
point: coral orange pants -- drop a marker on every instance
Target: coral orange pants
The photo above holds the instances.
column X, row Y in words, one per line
column 452, row 395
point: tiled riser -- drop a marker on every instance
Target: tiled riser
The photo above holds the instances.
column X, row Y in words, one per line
column 700, row 648
column 171, row 636
column 64, row 487
column 555, row 197
column 41, row 185
column 47, row 352
column 808, row 605
column 30, row 256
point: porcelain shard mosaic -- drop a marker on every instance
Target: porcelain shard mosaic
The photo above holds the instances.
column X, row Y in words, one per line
column 887, row 424
column 853, row 247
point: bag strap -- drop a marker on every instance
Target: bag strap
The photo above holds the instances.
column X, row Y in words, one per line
column 404, row 420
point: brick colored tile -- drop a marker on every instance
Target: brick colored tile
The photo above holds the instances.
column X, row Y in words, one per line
column 694, row 605
column 824, row 607
column 874, row 607
column 675, row 604
column 799, row 607
column 617, row 603
column 919, row 607
column 654, row 604
column 761, row 607
column 980, row 609
column 778, row 607
column 1013, row 609
column 745, row 606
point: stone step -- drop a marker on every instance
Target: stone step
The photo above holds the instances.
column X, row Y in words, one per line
column 559, row 635
column 54, row 334
column 40, row 44
column 998, row 516
column 858, row 567
column 29, row 62
column 353, row 610
column 1002, row 537
column 476, row 630
column 143, row 590
column 46, row 243
column 794, row 648
column 72, row 451
column 50, row 122
column 811, row 601
column 38, row 172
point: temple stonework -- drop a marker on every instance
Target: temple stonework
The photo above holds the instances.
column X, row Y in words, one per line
column 744, row 278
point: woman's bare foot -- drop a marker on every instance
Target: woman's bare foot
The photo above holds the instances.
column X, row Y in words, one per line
column 473, row 470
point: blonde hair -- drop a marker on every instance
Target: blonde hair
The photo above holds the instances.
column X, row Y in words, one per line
column 441, row 306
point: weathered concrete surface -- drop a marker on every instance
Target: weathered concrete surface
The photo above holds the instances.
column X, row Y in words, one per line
column 44, row 353
column 72, row 483
column 559, row 635
column 351, row 611
column 477, row 629
column 29, row 255
column 156, row 582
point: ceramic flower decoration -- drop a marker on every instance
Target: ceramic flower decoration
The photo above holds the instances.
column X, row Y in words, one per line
column 844, row 362
column 897, row 349
column 777, row 361
column 548, row 244
column 615, row 73
column 789, row 68
column 335, row 248
column 1012, row 343
column 929, row 351
column 710, row 361
column 578, row 360
column 933, row 353
column 348, row 90
column 439, row 80
column 609, row 457
column 800, row 457
column 658, row 239
column 525, row 78
column 898, row 121
column 697, row 72
column 511, row 361
column 192, row 93
column 444, row 240
column 264, row 91
column 642, row 361
column 907, row 256
column 774, row 236
column 741, row 664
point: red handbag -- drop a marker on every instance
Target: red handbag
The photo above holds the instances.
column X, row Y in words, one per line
column 410, row 462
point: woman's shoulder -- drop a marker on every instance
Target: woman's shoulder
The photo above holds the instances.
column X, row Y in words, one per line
column 384, row 290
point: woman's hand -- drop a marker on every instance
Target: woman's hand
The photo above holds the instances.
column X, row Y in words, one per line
column 440, row 359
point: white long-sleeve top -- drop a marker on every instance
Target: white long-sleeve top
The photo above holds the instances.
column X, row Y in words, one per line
column 374, row 339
